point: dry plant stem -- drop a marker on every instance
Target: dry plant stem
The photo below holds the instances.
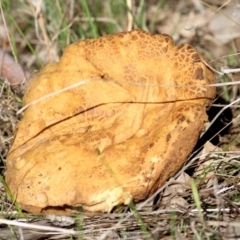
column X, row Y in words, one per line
column 53, row 94
column 225, row 56
column 71, row 8
column 199, row 6
column 35, row 226
column 218, row 223
column 20, row 231
column 193, row 227
column 226, row 70
column 39, row 20
column 6, row 29
column 220, row 73
column 226, row 189
column 129, row 15
column 44, row 32
column 35, row 12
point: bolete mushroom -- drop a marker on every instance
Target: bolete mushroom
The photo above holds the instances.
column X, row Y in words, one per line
column 118, row 136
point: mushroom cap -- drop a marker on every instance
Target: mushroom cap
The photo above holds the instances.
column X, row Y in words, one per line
column 119, row 135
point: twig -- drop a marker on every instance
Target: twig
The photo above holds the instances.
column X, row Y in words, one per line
column 129, row 15
column 53, row 94
column 34, row 226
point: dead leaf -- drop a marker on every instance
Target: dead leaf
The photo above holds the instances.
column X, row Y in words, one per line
column 10, row 71
column 172, row 195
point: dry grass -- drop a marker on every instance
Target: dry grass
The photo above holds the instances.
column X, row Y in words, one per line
column 203, row 200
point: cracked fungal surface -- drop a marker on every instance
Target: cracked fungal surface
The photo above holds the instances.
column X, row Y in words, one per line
column 119, row 136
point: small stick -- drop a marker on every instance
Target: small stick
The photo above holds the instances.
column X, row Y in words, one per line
column 226, row 70
column 35, row 226
column 52, row 94
column 129, row 15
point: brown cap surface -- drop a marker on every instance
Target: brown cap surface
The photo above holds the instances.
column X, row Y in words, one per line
column 117, row 137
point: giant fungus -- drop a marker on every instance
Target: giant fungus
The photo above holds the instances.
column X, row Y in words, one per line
column 118, row 136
